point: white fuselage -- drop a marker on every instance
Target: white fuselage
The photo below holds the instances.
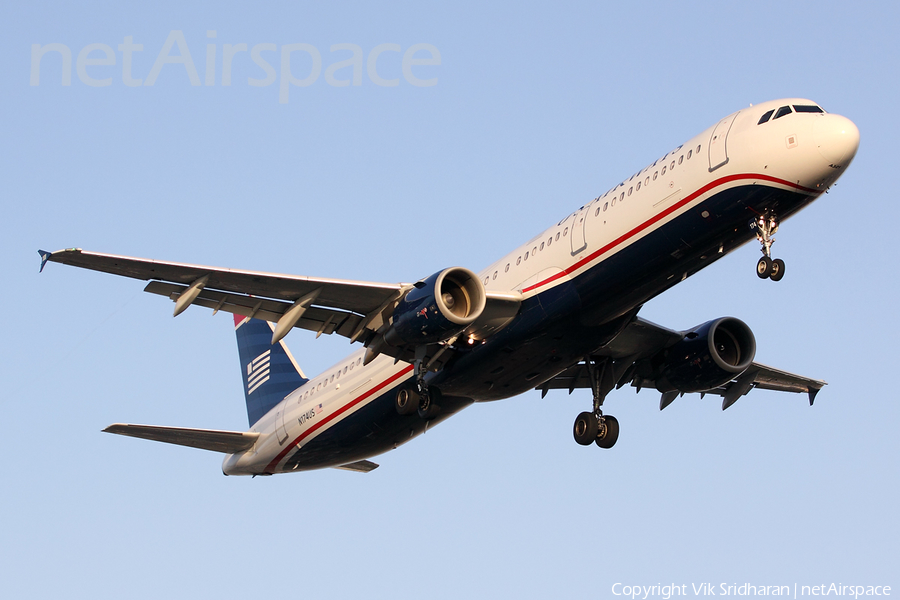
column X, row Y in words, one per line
column 801, row 152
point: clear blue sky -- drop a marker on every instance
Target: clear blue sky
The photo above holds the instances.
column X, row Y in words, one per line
column 536, row 109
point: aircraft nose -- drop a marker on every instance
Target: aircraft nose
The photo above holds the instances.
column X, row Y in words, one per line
column 837, row 138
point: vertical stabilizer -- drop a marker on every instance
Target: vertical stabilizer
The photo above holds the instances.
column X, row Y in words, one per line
column 269, row 371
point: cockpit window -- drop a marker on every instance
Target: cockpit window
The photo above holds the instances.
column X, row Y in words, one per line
column 784, row 110
column 765, row 117
column 806, row 108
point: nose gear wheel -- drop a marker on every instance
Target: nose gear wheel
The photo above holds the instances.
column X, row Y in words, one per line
column 765, row 226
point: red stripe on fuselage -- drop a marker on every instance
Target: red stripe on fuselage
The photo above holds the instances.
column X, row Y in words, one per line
column 319, row 424
column 656, row 218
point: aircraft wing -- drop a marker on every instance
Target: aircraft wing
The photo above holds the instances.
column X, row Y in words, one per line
column 351, row 296
column 353, row 309
column 228, row 442
column 641, row 340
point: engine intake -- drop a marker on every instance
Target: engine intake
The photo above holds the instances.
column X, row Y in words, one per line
column 437, row 308
column 708, row 356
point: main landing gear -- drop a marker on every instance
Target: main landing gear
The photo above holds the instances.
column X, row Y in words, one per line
column 595, row 427
column 423, row 400
column 765, row 226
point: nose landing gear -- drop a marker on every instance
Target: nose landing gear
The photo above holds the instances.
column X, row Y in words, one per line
column 765, row 226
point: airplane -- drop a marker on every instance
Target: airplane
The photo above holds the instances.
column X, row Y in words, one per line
column 558, row 312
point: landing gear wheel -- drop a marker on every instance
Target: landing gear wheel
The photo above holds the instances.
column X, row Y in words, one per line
column 428, row 404
column 608, row 432
column 406, row 402
column 764, row 267
column 585, row 429
column 777, row 270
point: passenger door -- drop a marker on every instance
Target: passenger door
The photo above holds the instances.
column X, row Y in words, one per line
column 280, row 430
column 578, row 240
column 718, row 151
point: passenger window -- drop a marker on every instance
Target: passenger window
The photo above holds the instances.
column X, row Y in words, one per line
column 542, row 245
column 605, row 206
column 784, row 110
column 765, row 117
column 597, row 212
column 630, row 190
column 664, row 170
column 557, row 236
column 639, row 186
column 345, row 370
column 672, row 166
column 621, row 196
column 495, row 274
column 534, row 251
column 647, row 180
column 681, row 159
column 526, row 256
column 655, row 174
column 518, row 261
column 614, row 202
column 565, row 231
column 689, row 154
column 698, row 148
column 549, row 241
column 506, row 270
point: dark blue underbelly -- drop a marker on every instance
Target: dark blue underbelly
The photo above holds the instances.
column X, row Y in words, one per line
column 558, row 327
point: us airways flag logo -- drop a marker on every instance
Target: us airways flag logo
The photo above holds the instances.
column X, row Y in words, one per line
column 258, row 371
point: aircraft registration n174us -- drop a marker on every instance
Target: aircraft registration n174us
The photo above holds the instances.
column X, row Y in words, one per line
column 559, row 312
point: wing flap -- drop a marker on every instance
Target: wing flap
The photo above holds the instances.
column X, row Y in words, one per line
column 575, row 377
column 359, row 296
column 229, row 442
column 318, row 319
column 769, row 378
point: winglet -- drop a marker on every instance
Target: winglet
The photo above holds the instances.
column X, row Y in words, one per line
column 45, row 256
column 812, row 394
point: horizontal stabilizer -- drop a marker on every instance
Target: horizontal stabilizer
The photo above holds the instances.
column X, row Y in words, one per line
column 360, row 466
column 229, row 442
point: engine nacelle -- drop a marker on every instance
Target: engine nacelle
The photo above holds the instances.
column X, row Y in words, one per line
column 710, row 355
column 437, row 308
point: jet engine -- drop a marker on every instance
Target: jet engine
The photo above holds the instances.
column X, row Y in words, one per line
column 708, row 356
column 437, row 308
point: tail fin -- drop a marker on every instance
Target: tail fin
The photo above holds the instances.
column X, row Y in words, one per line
column 270, row 372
